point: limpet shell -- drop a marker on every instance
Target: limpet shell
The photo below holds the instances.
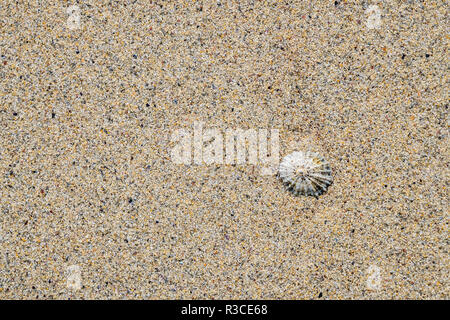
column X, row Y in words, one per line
column 305, row 173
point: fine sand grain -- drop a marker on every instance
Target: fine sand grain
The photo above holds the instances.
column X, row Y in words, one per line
column 93, row 207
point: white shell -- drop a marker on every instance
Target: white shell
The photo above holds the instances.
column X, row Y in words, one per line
column 305, row 173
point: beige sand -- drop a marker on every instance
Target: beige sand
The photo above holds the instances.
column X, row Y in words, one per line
column 92, row 205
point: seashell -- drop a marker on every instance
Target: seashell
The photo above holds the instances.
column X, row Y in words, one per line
column 305, row 173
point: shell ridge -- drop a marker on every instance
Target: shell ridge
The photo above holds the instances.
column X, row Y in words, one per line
column 305, row 173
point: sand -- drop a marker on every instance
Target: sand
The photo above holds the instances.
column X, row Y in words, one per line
column 93, row 206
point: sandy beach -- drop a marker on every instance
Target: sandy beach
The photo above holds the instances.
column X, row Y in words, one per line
column 93, row 205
